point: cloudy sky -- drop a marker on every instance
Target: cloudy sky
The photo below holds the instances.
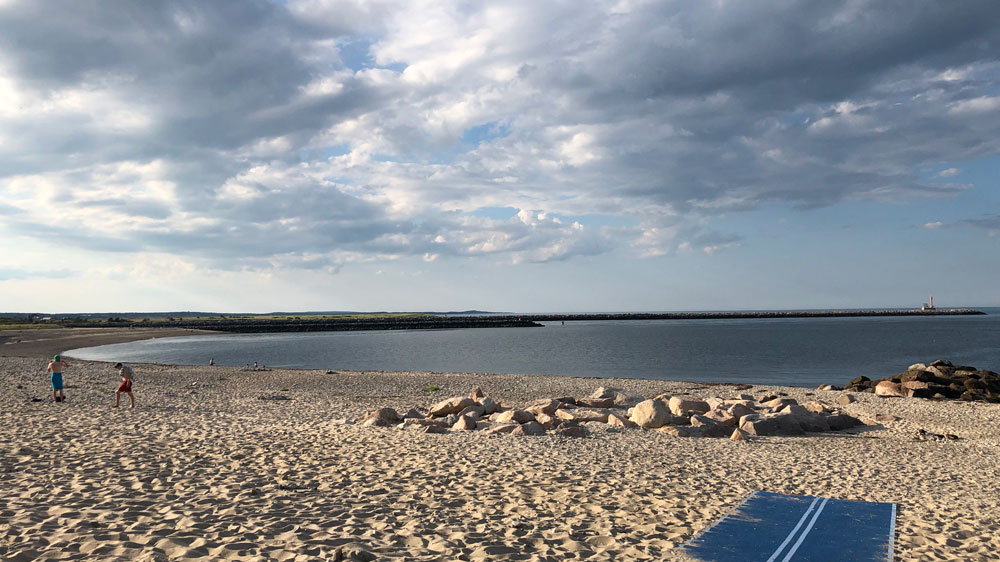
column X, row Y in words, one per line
column 258, row 155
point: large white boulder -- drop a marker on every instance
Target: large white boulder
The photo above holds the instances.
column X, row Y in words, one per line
column 680, row 406
column 618, row 420
column 739, row 410
column 489, row 405
column 451, row 405
column 465, row 423
column 386, row 417
column 530, row 428
column 516, row 416
column 772, row 424
column 650, row 414
column 544, row 406
column 583, row 415
column 888, row 388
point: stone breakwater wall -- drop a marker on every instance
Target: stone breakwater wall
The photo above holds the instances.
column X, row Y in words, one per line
column 740, row 417
column 761, row 314
column 941, row 380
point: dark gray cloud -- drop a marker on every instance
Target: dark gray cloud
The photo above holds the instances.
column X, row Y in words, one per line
column 233, row 131
column 134, row 207
column 206, row 76
column 779, row 55
column 739, row 80
column 991, row 223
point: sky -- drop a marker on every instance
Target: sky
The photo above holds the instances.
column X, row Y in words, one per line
column 254, row 156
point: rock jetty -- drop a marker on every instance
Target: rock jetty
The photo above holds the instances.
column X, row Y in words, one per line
column 939, row 380
column 757, row 314
column 737, row 417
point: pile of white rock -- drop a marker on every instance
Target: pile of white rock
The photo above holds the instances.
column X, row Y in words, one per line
column 738, row 417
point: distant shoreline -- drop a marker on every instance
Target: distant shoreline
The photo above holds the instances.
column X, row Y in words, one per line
column 430, row 322
column 35, row 343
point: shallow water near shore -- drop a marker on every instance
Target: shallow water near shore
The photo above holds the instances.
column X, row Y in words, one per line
column 792, row 352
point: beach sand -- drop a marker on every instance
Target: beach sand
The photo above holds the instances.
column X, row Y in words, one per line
column 203, row 468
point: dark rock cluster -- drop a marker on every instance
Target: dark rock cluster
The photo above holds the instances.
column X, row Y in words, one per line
column 939, row 380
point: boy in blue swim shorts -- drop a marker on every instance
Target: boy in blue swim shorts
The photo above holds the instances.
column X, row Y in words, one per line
column 56, row 367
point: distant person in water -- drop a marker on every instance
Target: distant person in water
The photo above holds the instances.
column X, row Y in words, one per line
column 126, row 385
column 56, row 367
column 211, row 362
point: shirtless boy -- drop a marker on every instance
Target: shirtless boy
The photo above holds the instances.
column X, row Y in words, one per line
column 56, row 367
column 126, row 386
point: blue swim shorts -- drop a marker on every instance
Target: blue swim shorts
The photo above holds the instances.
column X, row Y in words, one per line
column 57, row 381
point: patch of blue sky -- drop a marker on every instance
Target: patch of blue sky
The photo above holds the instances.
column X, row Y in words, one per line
column 818, row 247
column 10, row 274
column 356, row 55
column 847, row 220
column 311, row 153
column 339, row 179
column 794, row 119
column 441, row 157
column 587, row 220
column 492, row 130
column 336, row 150
column 939, row 173
column 869, row 235
column 982, row 174
column 446, row 155
column 602, row 220
column 985, row 170
column 495, row 213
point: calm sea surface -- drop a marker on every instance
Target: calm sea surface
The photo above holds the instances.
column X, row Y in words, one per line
column 794, row 352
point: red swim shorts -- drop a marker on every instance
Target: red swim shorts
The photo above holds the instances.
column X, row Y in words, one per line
column 125, row 386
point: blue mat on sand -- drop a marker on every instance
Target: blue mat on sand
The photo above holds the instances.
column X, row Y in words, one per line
column 770, row 527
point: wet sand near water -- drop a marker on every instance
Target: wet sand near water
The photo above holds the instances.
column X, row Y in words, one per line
column 47, row 342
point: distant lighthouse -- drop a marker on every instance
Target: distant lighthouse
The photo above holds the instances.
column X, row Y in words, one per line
column 928, row 306
column 932, row 302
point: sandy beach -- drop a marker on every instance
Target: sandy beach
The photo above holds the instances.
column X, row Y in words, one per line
column 205, row 469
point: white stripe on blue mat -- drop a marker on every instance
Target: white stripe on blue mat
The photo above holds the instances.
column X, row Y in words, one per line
column 805, row 532
column 791, row 535
column 892, row 532
column 769, row 527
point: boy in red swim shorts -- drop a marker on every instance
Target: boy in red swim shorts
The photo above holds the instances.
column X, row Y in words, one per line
column 126, row 386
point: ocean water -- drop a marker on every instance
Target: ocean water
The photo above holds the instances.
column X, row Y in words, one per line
column 793, row 352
